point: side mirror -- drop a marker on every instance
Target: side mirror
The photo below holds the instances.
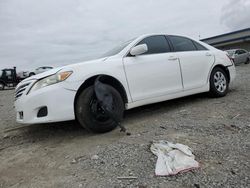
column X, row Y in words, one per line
column 138, row 50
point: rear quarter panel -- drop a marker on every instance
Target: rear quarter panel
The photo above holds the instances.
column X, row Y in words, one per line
column 221, row 58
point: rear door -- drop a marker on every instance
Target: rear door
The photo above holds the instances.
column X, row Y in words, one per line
column 195, row 60
column 154, row 73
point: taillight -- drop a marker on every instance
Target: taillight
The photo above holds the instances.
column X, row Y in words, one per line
column 231, row 59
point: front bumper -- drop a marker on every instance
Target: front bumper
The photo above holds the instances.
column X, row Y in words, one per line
column 58, row 100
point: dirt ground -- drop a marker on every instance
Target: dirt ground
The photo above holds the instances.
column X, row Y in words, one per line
column 65, row 155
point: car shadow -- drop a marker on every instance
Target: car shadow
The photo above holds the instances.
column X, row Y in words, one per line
column 71, row 129
column 166, row 106
column 41, row 132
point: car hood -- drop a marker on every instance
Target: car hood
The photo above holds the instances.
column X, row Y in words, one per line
column 44, row 74
column 67, row 67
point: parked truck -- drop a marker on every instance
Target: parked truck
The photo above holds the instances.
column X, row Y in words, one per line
column 8, row 78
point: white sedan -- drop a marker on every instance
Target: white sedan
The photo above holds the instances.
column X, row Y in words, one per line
column 239, row 56
column 145, row 70
column 40, row 70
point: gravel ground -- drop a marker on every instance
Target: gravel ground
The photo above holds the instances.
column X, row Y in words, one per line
column 65, row 155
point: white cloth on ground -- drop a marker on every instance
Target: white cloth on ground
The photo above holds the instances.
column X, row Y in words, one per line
column 173, row 158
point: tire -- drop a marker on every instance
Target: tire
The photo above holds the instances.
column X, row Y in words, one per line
column 96, row 120
column 219, row 83
column 2, row 86
column 248, row 61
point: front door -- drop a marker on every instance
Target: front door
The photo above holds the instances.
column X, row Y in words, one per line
column 155, row 73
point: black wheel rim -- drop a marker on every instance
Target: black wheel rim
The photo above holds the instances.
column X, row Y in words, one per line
column 97, row 112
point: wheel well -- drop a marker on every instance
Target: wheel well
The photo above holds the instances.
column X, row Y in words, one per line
column 225, row 69
column 107, row 80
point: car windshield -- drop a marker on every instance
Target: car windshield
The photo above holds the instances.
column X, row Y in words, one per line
column 1, row 73
column 117, row 49
column 231, row 52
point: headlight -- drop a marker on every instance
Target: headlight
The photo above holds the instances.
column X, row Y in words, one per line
column 50, row 80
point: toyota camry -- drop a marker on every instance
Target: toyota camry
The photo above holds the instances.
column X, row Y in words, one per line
column 148, row 69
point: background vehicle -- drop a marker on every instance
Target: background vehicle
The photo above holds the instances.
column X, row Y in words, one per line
column 239, row 56
column 22, row 75
column 40, row 70
column 8, row 77
column 145, row 70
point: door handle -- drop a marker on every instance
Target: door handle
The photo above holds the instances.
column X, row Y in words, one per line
column 208, row 54
column 172, row 58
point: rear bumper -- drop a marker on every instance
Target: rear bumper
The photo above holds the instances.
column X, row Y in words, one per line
column 58, row 100
column 232, row 73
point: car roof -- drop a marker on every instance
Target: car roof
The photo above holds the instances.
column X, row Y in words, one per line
column 7, row 69
column 155, row 34
column 236, row 49
column 44, row 67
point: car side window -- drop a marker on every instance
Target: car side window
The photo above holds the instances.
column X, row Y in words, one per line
column 182, row 44
column 243, row 51
column 156, row 44
column 8, row 73
column 199, row 46
column 238, row 52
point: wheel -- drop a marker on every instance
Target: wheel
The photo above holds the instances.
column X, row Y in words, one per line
column 248, row 61
column 219, row 83
column 90, row 114
column 2, row 86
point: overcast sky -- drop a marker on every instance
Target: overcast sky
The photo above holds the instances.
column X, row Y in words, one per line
column 59, row 32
